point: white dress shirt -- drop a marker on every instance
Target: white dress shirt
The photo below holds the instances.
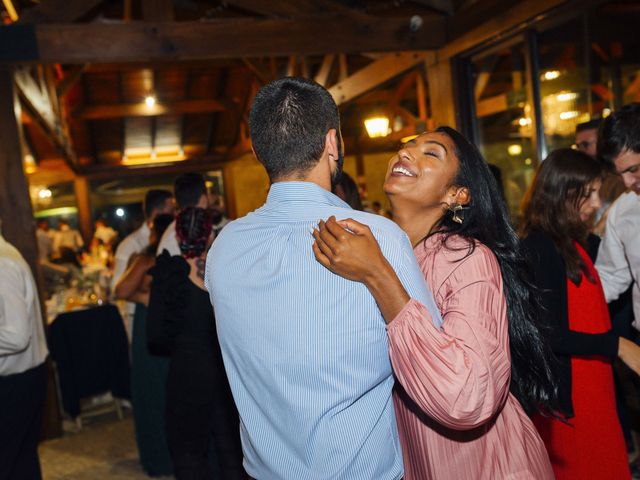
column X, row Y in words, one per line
column 22, row 341
column 618, row 262
column 132, row 244
column 169, row 241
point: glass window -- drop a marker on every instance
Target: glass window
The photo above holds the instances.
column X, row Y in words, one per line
column 504, row 119
column 566, row 96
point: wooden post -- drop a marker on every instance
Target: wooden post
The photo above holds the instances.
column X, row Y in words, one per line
column 440, row 79
column 18, row 226
column 16, row 213
column 83, row 200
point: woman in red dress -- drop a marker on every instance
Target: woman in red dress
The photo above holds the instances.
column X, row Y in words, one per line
column 558, row 209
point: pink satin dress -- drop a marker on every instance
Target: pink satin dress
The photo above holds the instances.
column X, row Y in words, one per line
column 456, row 417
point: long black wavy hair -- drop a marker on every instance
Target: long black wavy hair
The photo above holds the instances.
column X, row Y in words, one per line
column 486, row 221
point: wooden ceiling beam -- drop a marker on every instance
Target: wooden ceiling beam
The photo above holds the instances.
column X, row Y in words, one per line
column 70, row 79
column 58, row 11
column 38, row 97
column 375, row 74
column 444, row 6
column 94, row 112
column 299, row 8
column 177, row 41
column 157, row 10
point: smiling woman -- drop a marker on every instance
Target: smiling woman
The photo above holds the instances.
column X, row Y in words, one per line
column 461, row 388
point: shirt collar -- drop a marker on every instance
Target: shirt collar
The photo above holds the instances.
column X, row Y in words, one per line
column 303, row 192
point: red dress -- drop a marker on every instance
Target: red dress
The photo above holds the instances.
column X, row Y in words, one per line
column 591, row 446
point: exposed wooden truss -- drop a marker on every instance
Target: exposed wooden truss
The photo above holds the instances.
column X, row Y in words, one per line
column 142, row 41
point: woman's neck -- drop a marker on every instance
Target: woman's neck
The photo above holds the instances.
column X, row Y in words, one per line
column 416, row 223
column 197, row 265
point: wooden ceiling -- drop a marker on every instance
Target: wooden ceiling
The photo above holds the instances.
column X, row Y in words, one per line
column 85, row 68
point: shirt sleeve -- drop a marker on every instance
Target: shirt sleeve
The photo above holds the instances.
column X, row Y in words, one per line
column 123, row 254
column 612, row 263
column 413, row 280
column 15, row 329
column 458, row 375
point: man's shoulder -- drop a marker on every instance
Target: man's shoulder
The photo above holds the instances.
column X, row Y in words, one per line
column 380, row 223
column 627, row 203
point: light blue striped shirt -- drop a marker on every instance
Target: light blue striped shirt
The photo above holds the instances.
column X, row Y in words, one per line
column 306, row 351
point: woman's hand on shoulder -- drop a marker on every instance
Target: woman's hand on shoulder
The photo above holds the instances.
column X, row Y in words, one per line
column 348, row 248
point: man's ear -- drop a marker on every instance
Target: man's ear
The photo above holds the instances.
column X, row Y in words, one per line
column 331, row 144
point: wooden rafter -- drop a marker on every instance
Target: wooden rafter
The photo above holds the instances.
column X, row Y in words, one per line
column 325, row 69
column 58, row 11
column 70, row 79
column 444, row 6
column 141, row 41
column 375, row 74
column 42, row 104
column 165, row 108
column 157, row 10
column 298, row 8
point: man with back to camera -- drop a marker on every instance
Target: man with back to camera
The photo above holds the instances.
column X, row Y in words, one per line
column 612, row 186
column 306, row 351
column 190, row 190
column 618, row 261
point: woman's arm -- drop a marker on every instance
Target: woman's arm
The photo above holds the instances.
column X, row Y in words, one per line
column 458, row 375
column 133, row 279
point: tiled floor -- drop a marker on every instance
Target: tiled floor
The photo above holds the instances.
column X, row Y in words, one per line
column 104, row 450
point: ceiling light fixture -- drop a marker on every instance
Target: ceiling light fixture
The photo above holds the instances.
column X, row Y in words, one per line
column 377, row 127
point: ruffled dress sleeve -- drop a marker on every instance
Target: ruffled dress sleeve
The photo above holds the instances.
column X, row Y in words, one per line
column 459, row 375
column 167, row 302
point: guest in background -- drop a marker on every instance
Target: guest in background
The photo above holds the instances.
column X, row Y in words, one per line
column 181, row 321
column 67, row 237
column 104, row 233
column 45, row 240
column 557, row 211
column 218, row 214
column 619, row 254
column 23, row 378
column 460, row 388
column 190, row 190
column 148, row 371
column 347, row 190
column 612, row 185
column 156, row 202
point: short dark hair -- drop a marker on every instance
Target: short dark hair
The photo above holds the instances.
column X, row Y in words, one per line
column 593, row 124
column 188, row 188
column 155, row 199
column 619, row 131
column 289, row 121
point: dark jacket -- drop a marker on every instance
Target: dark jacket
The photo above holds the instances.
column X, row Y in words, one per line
column 551, row 278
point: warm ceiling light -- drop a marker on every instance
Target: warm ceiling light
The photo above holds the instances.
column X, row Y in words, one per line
column 550, row 75
column 568, row 115
column 606, row 112
column 566, row 96
column 524, row 121
column 150, row 101
column 44, row 193
column 377, row 126
column 514, row 150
